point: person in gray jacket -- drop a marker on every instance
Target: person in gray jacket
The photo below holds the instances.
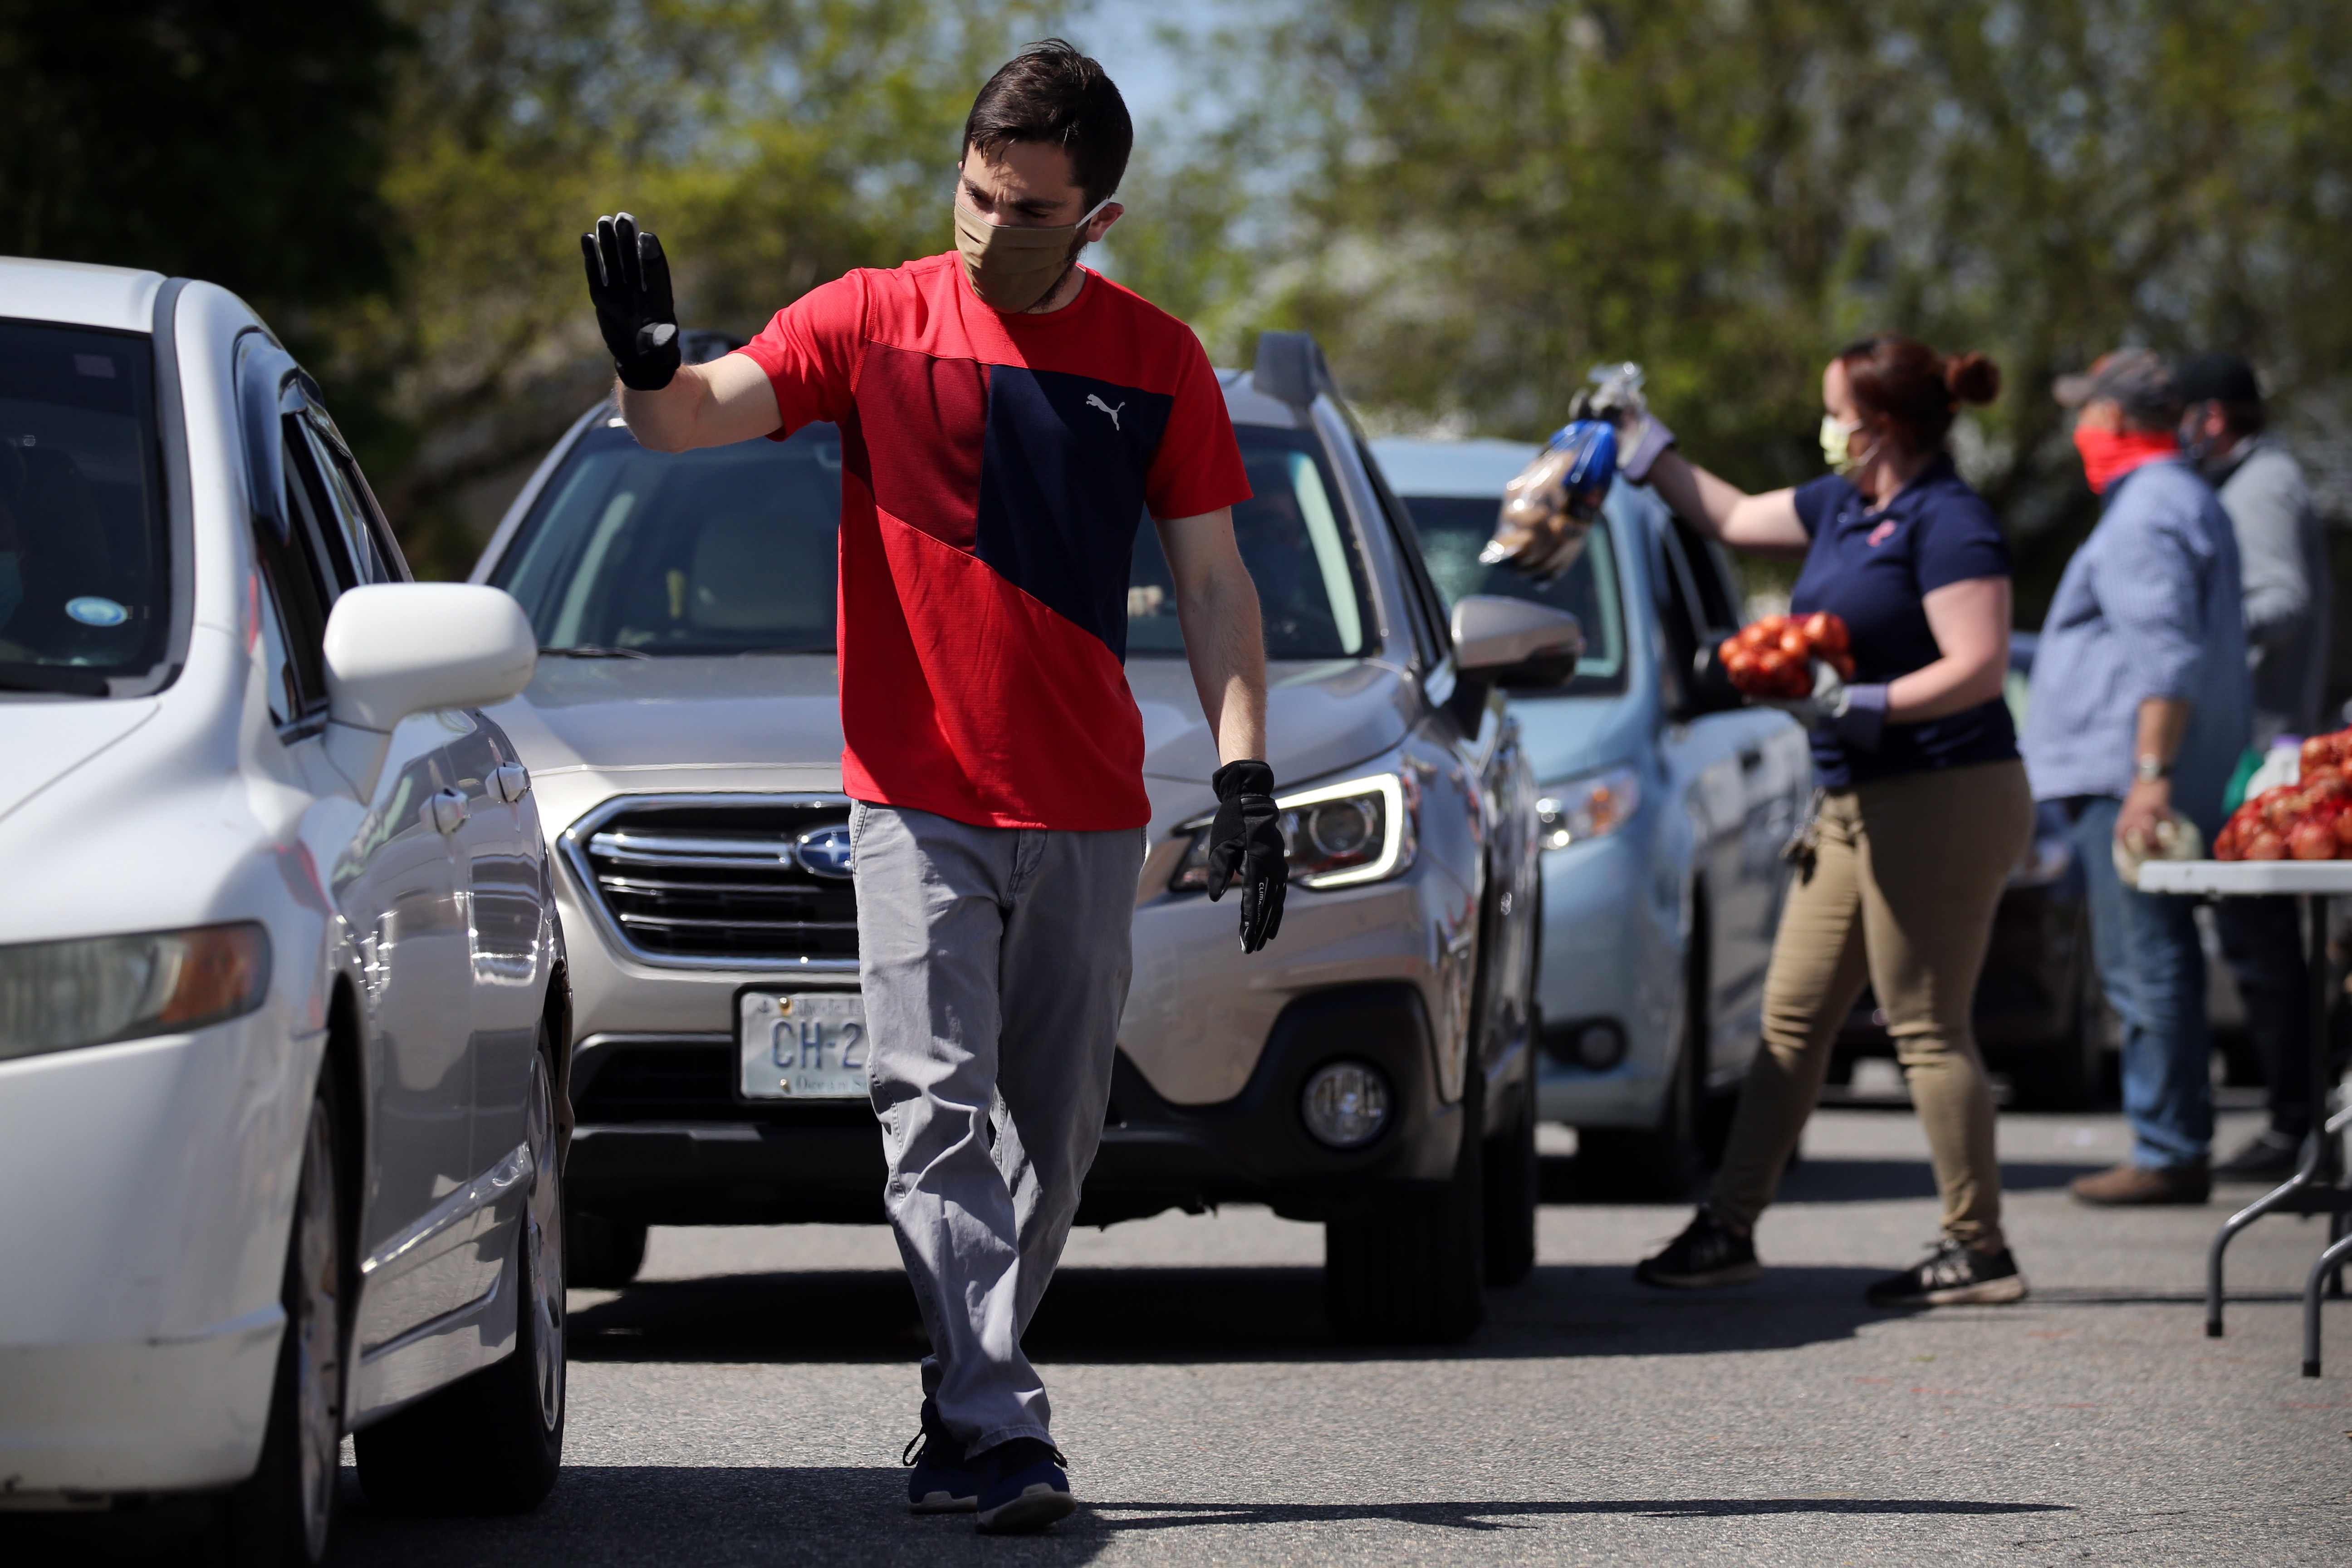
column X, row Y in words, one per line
column 2138, row 718
column 2284, row 554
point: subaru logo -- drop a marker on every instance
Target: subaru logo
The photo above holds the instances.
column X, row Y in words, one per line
column 825, row 852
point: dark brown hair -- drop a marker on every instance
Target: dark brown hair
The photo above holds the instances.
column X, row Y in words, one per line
column 1914, row 389
column 2243, row 418
column 1050, row 93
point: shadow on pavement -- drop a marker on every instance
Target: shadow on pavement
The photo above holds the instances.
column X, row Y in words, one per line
column 1162, row 1316
column 1496, row 1515
column 740, row 1514
column 1833, row 1181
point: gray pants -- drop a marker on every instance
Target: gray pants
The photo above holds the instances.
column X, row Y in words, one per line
column 994, row 962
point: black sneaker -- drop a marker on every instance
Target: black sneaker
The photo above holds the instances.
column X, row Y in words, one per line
column 1708, row 1253
column 944, row 1481
column 2268, row 1156
column 1952, row 1276
column 1023, row 1487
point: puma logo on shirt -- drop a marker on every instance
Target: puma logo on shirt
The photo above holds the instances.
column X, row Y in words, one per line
column 1093, row 402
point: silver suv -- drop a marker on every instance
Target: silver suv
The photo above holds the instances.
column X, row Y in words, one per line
column 1372, row 1070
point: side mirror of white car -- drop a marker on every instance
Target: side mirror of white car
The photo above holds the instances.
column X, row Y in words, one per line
column 1514, row 642
column 397, row 648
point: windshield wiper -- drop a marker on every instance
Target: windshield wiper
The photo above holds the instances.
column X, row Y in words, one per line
column 596, row 650
column 15, row 677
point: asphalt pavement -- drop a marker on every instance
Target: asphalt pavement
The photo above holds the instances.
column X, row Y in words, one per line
column 746, row 1402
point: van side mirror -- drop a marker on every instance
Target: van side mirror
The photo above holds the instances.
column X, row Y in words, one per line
column 397, row 648
column 1514, row 643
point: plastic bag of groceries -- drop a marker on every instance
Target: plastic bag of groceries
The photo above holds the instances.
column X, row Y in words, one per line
column 1549, row 507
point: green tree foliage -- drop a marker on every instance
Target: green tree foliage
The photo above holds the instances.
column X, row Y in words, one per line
column 772, row 143
column 1490, row 196
column 234, row 140
column 399, row 184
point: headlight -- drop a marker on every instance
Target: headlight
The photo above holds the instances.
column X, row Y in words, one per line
column 1593, row 807
column 58, row 996
column 1338, row 836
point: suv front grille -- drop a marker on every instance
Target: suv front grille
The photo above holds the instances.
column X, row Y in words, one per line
column 715, row 880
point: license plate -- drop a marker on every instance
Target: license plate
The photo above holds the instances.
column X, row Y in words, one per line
column 805, row 1044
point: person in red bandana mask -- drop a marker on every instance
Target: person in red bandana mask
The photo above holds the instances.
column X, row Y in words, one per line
column 2138, row 714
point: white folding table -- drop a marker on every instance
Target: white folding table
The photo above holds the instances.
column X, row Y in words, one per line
column 2318, row 1185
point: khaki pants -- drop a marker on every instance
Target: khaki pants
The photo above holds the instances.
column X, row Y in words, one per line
column 1901, row 895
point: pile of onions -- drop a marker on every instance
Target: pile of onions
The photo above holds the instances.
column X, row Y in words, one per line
column 1774, row 657
column 2310, row 820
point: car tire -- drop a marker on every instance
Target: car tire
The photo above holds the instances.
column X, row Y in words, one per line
column 1413, row 1271
column 1511, row 1191
column 493, row 1441
column 601, row 1254
column 281, row 1516
column 1660, row 1163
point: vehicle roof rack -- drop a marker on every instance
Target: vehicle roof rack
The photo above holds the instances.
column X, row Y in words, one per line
column 1291, row 368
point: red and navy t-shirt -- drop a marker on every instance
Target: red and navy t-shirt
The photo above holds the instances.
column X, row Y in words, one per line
column 994, row 471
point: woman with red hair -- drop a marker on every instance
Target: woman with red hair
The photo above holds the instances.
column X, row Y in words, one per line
column 1923, row 809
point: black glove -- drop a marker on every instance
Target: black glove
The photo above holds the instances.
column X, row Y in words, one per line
column 629, row 278
column 1247, row 838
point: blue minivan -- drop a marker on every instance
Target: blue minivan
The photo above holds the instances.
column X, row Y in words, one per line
column 1665, row 807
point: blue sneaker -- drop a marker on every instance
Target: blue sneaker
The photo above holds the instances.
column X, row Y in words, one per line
column 944, row 1481
column 1021, row 1487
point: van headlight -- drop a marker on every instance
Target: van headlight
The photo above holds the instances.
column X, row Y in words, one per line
column 94, row 991
column 1593, row 807
column 1337, row 836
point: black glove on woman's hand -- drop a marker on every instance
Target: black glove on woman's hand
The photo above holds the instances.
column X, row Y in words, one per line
column 628, row 278
column 1247, row 837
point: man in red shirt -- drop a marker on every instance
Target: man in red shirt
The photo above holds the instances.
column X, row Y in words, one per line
column 1008, row 417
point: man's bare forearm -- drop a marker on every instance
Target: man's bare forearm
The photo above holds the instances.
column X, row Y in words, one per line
column 665, row 421
column 2162, row 723
column 727, row 400
column 1216, row 607
column 1226, row 648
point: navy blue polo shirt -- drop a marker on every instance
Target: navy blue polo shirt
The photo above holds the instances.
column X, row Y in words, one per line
column 1871, row 569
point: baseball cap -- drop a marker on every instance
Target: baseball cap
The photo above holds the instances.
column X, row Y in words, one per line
column 2223, row 377
column 2136, row 380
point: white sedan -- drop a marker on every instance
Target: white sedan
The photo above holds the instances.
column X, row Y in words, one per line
column 281, row 983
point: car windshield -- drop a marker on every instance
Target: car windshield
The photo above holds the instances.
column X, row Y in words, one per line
column 85, row 591
column 731, row 550
column 1454, row 529
column 1297, row 546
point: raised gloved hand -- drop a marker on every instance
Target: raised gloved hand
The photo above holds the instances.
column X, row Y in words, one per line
column 628, row 278
column 1247, row 838
column 1855, row 714
column 1643, row 449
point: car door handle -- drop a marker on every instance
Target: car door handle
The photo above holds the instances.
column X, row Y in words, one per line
column 1751, row 759
column 511, row 782
column 444, row 811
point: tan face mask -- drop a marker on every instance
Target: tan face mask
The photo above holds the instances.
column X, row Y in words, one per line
column 1012, row 267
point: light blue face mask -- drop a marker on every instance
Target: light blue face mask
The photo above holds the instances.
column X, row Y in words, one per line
column 12, row 585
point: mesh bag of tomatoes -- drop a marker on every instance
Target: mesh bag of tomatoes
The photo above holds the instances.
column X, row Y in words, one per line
column 2310, row 820
column 1774, row 657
